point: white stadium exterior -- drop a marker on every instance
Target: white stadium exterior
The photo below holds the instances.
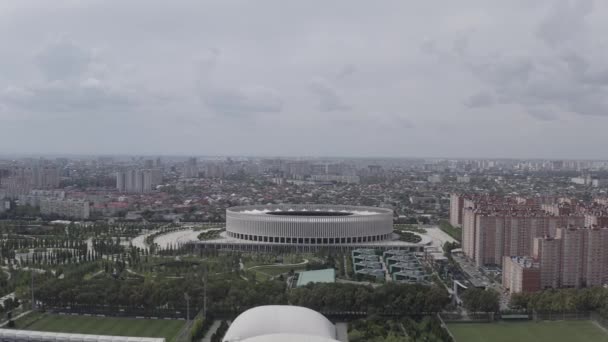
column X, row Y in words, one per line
column 308, row 228
column 309, row 224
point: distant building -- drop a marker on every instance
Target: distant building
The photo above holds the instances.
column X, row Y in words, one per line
column 336, row 179
column 138, row 181
column 434, row 178
column 214, row 171
column 463, row 179
column 190, row 168
column 35, row 196
column 76, row 209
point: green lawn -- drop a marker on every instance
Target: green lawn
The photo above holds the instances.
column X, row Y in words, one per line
column 452, row 231
column 554, row 331
column 105, row 326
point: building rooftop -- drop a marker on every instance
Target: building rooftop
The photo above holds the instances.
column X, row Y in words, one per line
column 318, row 276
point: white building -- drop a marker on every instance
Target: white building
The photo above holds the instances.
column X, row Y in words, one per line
column 279, row 323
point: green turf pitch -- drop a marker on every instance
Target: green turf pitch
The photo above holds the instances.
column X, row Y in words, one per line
column 109, row 326
column 555, row 331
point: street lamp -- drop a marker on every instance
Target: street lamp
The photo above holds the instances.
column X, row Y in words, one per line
column 187, row 298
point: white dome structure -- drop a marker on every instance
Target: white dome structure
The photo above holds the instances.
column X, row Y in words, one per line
column 280, row 323
column 288, row 338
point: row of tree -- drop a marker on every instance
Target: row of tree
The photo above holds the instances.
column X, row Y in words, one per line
column 479, row 300
column 232, row 294
column 564, row 300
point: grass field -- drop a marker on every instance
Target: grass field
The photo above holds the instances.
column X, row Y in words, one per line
column 452, row 231
column 102, row 325
column 560, row 331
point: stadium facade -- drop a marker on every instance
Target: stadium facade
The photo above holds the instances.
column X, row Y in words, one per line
column 309, row 224
column 307, row 227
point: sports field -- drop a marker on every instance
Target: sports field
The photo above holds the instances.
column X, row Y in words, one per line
column 103, row 325
column 554, row 331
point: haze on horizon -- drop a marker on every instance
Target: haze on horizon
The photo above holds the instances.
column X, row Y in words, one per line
column 335, row 78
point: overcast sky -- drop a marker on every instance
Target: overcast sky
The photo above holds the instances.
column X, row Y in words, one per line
column 514, row 78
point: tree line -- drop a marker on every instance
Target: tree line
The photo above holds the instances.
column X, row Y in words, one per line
column 232, row 295
column 564, row 300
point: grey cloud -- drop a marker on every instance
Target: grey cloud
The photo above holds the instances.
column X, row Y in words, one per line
column 346, row 71
column 565, row 22
column 327, row 95
column 481, row 99
column 62, row 96
column 243, row 101
column 63, row 59
column 405, row 123
column 542, row 114
column 565, row 81
column 403, row 69
column 69, row 85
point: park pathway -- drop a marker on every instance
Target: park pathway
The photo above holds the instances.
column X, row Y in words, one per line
column 211, row 331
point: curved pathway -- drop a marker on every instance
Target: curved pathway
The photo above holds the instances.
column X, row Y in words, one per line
column 280, row 265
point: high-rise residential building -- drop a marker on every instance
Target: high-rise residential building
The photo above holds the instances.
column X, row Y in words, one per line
column 521, row 274
column 456, row 208
column 121, row 181
column 547, row 252
column 214, row 171
column 137, row 181
column 576, row 257
column 595, row 257
column 571, row 260
column 493, row 228
column 22, row 179
column 190, row 168
column 157, row 177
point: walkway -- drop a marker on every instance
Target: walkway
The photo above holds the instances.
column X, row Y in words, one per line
column 16, row 317
column 280, row 265
column 212, row 329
